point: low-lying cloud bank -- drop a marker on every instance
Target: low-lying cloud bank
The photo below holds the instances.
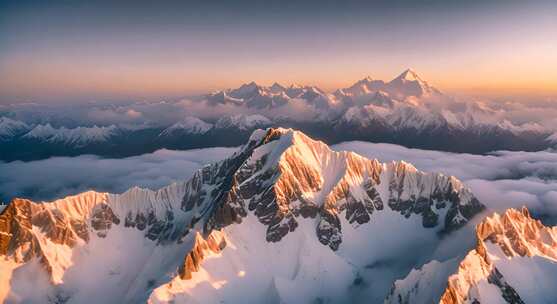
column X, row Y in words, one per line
column 500, row 180
column 61, row 176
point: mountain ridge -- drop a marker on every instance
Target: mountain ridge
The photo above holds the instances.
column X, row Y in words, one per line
column 281, row 184
column 405, row 111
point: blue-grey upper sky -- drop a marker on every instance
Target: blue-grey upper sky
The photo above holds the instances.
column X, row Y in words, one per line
column 90, row 50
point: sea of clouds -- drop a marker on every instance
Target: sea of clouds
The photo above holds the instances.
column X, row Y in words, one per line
column 500, row 180
column 61, row 176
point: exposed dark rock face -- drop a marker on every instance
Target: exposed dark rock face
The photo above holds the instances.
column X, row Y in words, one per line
column 102, row 219
column 414, row 192
column 329, row 230
column 17, row 239
column 163, row 229
column 140, row 221
column 16, row 225
column 509, row 293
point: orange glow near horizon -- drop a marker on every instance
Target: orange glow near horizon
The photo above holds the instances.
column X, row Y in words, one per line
column 480, row 49
column 158, row 82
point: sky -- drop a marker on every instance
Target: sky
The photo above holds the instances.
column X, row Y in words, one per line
column 81, row 51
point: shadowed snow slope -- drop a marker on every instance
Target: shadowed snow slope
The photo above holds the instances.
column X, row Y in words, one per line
column 284, row 219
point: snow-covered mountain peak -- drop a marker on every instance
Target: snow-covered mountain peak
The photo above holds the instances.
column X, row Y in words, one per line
column 222, row 97
column 420, row 119
column 246, row 90
column 409, row 84
column 307, row 175
column 363, row 116
column 10, row 128
column 304, row 196
column 41, row 131
column 284, row 203
column 408, row 75
column 243, row 122
column 277, row 88
column 363, row 87
column 78, row 137
column 189, row 125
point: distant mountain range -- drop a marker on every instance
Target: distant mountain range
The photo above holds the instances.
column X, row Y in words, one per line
column 406, row 111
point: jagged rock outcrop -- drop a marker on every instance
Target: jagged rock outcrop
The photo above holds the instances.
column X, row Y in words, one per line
column 23, row 221
column 214, row 243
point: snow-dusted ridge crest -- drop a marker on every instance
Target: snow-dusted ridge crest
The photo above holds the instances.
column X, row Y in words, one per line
column 280, row 183
column 78, row 137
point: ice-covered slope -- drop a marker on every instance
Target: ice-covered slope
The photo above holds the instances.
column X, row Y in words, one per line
column 285, row 219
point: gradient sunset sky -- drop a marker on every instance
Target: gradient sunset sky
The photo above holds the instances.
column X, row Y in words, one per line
column 73, row 51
